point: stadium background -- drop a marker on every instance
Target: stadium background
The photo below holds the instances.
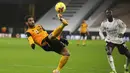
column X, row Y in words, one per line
column 13, row 11
column 16, row 56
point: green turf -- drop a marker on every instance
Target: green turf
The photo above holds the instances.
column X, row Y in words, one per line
column 16, row 56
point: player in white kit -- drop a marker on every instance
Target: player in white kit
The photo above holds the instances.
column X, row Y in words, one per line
column 114, row 28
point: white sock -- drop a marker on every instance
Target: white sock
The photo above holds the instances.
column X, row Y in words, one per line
column 85, row 38
column 111, row 62
column 127, row 63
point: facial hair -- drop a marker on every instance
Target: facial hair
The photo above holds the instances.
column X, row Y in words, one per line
column 110, row 18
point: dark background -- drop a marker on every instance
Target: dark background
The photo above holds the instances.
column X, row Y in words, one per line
column 12, row 12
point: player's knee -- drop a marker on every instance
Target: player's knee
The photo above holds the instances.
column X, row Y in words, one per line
column 50, row 36
column 66, row 54
column 108, row 51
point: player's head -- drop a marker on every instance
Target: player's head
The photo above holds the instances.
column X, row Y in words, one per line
column 29, row 20
column 108, row 13
column 83, row 21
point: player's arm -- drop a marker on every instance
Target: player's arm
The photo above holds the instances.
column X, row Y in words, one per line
column 87, row 32
column 122, row 26
column 59, row 29
column 101, row 29
column 87, row 29
column 80, row 28
column 30, row 39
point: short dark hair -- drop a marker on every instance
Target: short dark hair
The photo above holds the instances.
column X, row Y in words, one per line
column 108, row 10
column 26, row 17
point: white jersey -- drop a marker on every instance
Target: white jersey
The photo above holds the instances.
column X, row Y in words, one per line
column 112, row 29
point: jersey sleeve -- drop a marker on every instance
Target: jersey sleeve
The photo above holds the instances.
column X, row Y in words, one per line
column 28, row 34
column 101, row 29
column 30, row 39
column 122, row 26
column 86, row 25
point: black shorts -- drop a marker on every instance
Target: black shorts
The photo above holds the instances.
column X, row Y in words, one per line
column 83, row 35
column 53, row 45
column 121, row 47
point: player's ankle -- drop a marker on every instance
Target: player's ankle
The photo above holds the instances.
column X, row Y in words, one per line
column 58, row 69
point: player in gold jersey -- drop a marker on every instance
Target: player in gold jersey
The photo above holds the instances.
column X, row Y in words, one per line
column 83, row 32
column 38, row 35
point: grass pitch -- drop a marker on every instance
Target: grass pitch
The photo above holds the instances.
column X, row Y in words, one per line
column 16, row 56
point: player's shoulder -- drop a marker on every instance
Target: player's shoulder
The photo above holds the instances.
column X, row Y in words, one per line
column 117, row 19
column 28, row 33
column 37, row 25
column 105, row 20
column 28, row 30
column 85, row 24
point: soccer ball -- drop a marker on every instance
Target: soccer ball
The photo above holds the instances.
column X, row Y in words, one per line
column 60, row 7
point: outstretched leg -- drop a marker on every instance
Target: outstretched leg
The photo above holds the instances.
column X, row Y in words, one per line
column 59, row 29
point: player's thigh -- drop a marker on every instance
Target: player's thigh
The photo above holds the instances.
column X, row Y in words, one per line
column 57, row 45
column 85, row 37
column 60, row 48
column 82, row 35
column 109, row 47
column 47, row 48
column 122, row 48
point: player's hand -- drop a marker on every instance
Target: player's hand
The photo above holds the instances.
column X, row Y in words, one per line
column 120, row 35
column 65, row 41
column 33, row 46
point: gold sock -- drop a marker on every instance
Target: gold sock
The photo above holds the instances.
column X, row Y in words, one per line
column 78, row 42
column 62, row 62
column 83, row 42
